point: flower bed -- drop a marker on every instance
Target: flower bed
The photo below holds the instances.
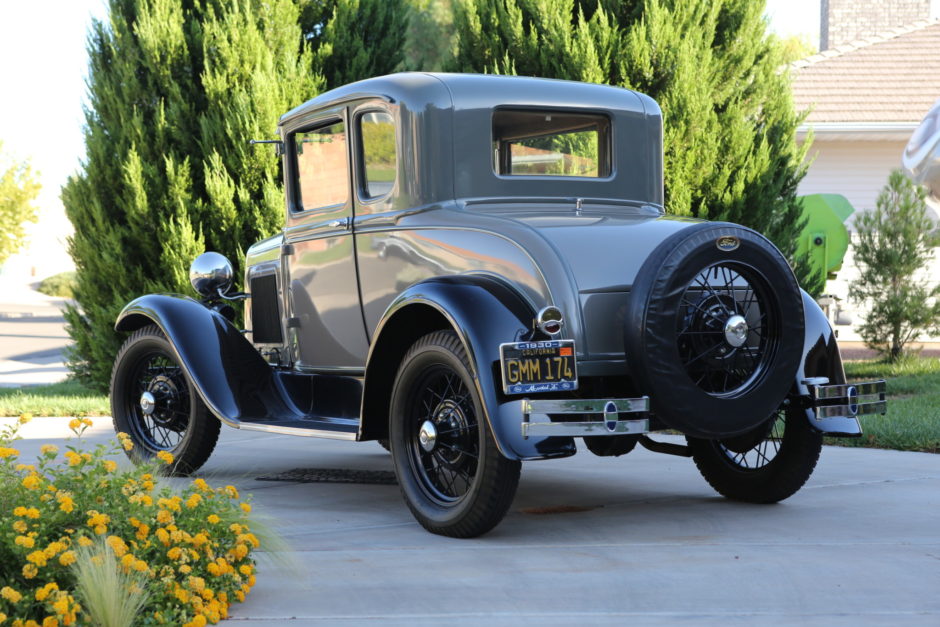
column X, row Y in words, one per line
column 182, row 554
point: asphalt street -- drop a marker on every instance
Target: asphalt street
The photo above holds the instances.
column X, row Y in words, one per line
column 639, row 539
column 32, row 337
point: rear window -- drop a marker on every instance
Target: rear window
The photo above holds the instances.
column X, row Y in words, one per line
column 551, row 143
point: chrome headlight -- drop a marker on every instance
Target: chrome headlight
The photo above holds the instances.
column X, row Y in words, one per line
column 210, row 274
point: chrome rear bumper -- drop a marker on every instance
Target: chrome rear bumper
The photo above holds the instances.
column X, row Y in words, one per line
column 847, row 400
column 608, row 409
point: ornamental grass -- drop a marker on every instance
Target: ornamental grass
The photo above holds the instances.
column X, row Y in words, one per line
column 84, row 543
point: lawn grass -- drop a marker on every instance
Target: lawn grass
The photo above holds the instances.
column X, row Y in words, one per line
column 913, row 419
column 59, row 399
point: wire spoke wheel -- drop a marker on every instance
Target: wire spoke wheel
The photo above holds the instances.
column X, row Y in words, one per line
column 160, row 417
column 765, row 465
column 450, row 471
column 153, row 401
column 445, row 446
column 726, row 330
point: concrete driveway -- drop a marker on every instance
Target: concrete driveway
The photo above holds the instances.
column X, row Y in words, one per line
column 641, row 540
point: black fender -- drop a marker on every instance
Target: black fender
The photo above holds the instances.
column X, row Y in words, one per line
column 484, row 312
column 821, row 358
column 231, row 377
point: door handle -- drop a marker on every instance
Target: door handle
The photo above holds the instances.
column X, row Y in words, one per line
column 335, row 224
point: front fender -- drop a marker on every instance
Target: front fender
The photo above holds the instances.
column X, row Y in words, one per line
column 484, row 312
column 821, row 358
column 230, row 376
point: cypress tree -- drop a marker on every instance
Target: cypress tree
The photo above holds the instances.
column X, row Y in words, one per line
column 176, row 89
column 729, row 121
column 355, row 39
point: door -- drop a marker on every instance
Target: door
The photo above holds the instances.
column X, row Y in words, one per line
column 325, row 325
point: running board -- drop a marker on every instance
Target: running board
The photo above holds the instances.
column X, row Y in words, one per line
column 329, row 428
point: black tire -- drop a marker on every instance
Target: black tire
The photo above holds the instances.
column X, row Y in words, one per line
column 178, row 422
column 457, row 484
column 383, row 442
column 690, row 294
column 765, row 466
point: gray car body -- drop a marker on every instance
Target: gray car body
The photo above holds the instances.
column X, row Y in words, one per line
column 572, row 242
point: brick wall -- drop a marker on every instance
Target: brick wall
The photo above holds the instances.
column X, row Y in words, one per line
column 844, row 21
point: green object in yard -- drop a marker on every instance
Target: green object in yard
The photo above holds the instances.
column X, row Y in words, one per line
column 825, row 237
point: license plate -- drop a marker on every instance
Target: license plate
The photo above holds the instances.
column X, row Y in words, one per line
column 531, row 367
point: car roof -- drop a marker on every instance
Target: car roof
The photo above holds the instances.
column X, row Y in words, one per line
column 419, row 89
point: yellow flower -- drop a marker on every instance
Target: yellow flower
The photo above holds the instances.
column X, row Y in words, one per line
column 198, row 621
column 48, row 449
column 32, row 512
column 6, row 451
column 245, row 569
column 62, row 606
column 74, row 424
column 214, row 569
column 199, row 539
column 128, row 561
column 24, row 418
column 30, row 571
column 140, row 565
column 127, row 444
column 20, row 526
column 25, row 467
column 213, row 519
column 117, row 545
column 95, row 519
column 85, row 541
column 174, row 553
column 50, row 621
column 31, row 482
column 65, row 502
column 10, row 594
column 163, row 536
column 245, row 507
column 166, row 457
column 24, row 541
column 201, row 484
column 53, row 548
column 110, row 465
column 197, row 583
column 231, row 491
column 45, row 591
column 37, row 557
column 193, row 501
column 86, row 456
column 185, row 569
column 142, row 532
column 74, row 458
column 67, row 558
column 181, row 594
column 164, row 517
column 241, row 551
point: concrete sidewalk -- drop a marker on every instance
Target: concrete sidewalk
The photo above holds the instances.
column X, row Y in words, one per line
column 589, row 541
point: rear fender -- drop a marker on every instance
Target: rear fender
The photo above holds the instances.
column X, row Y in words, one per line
column 484, row 313
column 821, row 358
column 230, row 376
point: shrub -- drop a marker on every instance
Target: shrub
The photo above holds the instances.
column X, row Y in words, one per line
column 60, row 285
column 74, row 526
column 894, row 242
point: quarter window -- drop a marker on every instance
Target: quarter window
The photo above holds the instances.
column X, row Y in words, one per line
column 379, row 157
column 322, row 175
column 551, row 143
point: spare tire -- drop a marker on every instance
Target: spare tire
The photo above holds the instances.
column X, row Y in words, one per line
column 714, row 330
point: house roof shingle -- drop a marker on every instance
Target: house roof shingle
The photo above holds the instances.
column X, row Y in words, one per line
column 894, row 77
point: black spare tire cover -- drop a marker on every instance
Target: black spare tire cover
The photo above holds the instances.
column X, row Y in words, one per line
column 714, row 330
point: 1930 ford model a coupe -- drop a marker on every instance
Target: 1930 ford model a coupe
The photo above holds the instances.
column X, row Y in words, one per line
column 477, row 270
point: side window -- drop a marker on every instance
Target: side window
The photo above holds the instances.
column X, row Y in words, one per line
column 379, row 158
column 322, row 175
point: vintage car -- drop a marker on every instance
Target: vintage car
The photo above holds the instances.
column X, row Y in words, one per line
column 475, row 271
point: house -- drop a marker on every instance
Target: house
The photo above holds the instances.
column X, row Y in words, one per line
column 865, row 97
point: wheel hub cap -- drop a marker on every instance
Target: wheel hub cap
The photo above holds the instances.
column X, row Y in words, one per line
column 147, row 403
column 427, row 436
column 736, row 330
